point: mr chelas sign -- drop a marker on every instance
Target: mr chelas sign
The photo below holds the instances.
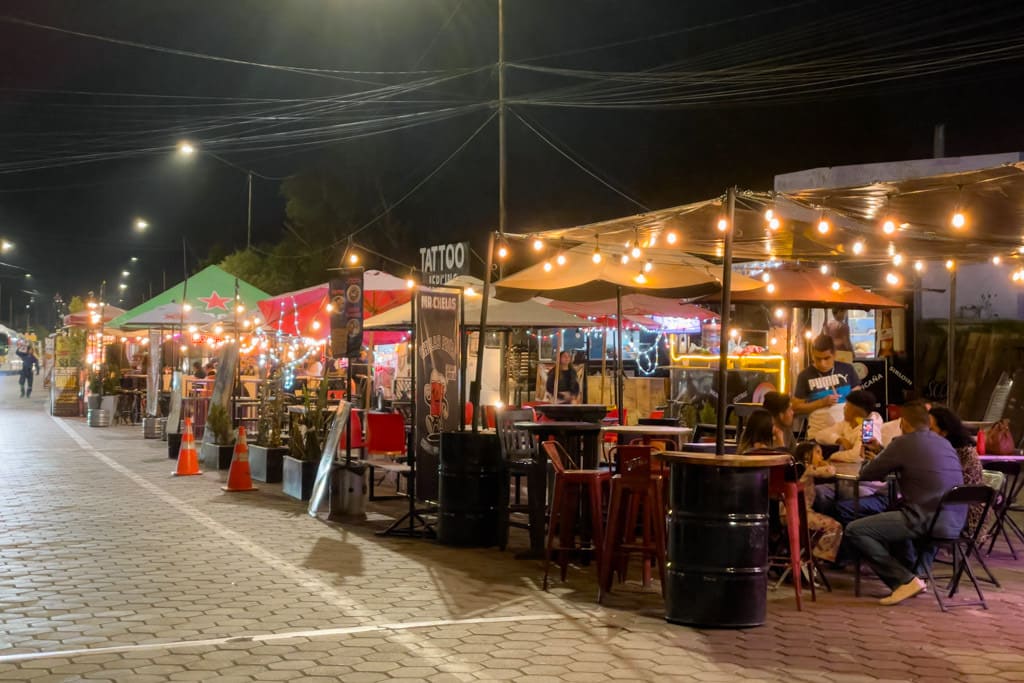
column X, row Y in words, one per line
column 441, row 262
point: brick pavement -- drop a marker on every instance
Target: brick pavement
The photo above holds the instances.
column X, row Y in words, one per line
column 164, row 579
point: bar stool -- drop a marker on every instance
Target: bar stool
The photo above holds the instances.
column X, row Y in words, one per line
column 784, row 487
column 518, row 448
column 565, row 504
column 636, row 500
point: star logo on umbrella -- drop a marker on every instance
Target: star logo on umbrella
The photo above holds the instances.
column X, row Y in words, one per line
column 215, row 301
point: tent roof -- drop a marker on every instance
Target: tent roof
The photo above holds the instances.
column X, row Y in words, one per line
column 500, row 314
column 211, row 290
column 580, row 279
column 82, row 318
column 798, row 286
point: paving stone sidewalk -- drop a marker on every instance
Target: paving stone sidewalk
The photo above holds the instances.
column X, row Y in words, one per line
column 170, row 579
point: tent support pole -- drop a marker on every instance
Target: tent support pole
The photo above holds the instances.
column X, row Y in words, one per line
column 723, row 353
column 619, row 389
column 480, row 345
column 951, row 339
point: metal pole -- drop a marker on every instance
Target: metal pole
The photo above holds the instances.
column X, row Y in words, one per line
column 951, row 338
column 248, row 230
column 723, row 353
column 475, row 392
column 501, row 118
column 619, row 379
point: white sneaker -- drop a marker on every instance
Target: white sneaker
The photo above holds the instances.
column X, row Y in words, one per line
column 901, row 593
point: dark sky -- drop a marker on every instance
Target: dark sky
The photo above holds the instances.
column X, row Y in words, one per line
column 66, row 99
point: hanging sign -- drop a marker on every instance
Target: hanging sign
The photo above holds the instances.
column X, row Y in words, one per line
column 437, row 378
column 441, row 262
column 346, row 298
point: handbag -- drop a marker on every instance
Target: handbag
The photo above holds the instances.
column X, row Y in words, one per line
column 999, row 439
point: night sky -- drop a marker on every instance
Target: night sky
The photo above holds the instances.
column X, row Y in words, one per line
column 88, row 128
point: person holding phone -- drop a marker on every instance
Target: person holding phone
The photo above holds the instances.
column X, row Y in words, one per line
column 861, row 425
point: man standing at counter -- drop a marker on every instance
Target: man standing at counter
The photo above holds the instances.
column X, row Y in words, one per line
column 822, row 387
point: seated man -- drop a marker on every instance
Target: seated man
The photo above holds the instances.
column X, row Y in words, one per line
column 927, row 467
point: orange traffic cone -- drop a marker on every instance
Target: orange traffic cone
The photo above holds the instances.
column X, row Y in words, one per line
column 188, row 458
column 239, row 475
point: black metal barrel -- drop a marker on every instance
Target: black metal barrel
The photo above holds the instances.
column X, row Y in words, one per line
column 469, row 491
column 717, row 546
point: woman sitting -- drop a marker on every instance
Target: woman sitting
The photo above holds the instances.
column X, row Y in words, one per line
column 948, row 424
column 760, row 434
column 826, row 532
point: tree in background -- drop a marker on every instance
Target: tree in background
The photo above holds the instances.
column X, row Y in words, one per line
column 323, row 208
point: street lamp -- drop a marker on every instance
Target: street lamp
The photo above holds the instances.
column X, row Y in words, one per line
column 141, row 224
column 6, row 246
column 188, row 149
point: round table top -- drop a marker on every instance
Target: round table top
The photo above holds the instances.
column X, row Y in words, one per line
column 646, row 429
column 712, row 460
column 557, row 426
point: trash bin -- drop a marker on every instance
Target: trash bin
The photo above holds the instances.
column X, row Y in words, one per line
column 173, row 445
column 469, row 491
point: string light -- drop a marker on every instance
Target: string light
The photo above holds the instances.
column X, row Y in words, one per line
column 808, row 334
column 919, row 266
column 410, row 283
column 547, row 266
column 640, row 278
column 503, row 251
column 596, row 258
column 353, row 258
column 635, row 251
column 774, row 224
column 723, row 225
column 889, row 226
column 858, row 247
column 766, row 277
column 538, row 244
column 780, row 313
column 897, row 260
column 624, row 259
column 824, row 226
column 824, row 269
column 560, row 259
column 771, row 288
column 649, row 266
column 892, row 279
column 671, row 237
column 996, row 260
column 835, row 285
column 769, row 215
column 959, row 220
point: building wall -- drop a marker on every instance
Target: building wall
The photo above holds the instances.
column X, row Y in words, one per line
column 973, row 283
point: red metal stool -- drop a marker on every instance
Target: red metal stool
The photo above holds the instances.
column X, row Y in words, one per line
column 636, row 500
column 784, row 487
column 565, row 504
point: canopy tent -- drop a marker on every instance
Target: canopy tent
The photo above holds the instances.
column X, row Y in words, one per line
column 637, row 309
column 583, row 278
column 304, row 311
column 211, row 291
column 799, row 286
column 84, row 318
column 168, row 315
column 500, row 315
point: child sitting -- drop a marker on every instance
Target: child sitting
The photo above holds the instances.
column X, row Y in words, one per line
column 858, row 409
column 826, row 532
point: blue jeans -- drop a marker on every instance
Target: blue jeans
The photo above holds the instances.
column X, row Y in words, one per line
column 876, row 536
column 848, row 509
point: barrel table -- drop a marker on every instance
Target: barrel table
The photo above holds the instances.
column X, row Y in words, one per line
column 717, row 555
column 471, row 476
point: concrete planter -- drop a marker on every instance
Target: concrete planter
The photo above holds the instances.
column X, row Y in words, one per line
column 267, row 463
column 348, row 491
column 297, row 477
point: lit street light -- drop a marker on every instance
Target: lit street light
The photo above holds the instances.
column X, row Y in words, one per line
column 141, row 224
column 6, row 246
column 123, row 286
column 186, row 148
column 135, row 259
column 125, row 273
column 28, row 275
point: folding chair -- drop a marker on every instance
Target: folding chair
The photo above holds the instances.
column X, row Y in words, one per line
column 962, row 546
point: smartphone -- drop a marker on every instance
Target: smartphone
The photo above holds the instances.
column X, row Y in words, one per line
column 867, row 431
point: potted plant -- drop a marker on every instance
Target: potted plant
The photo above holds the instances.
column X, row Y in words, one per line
column 218, row 454
column 266, row 456
column 305, row 445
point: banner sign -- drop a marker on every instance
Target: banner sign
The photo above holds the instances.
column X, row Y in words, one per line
column 437, row 378
column 441, row 262
column 346, row 297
